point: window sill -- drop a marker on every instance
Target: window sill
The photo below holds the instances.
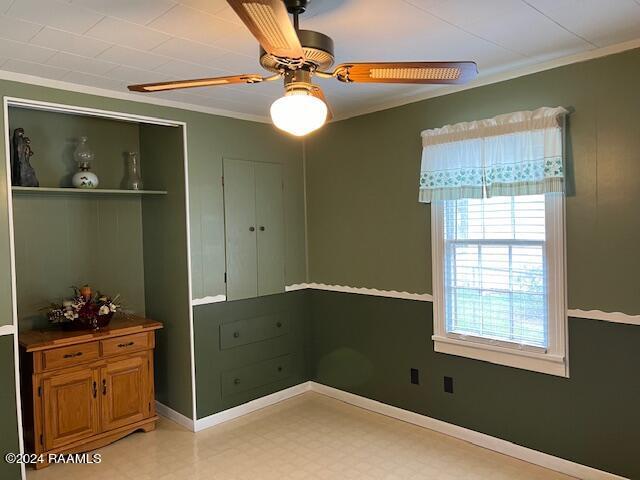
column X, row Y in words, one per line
column 510, row 357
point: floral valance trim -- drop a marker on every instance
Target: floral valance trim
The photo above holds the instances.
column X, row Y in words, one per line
column 536, row 170
column 526, row 178
column 464, row 177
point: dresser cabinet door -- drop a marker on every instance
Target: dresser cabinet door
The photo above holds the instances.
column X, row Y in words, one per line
column 70, row 410
column 126, row 391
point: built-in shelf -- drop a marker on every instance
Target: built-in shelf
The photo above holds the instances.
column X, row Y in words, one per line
column 83, row 191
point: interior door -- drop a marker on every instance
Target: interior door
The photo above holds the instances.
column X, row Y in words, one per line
column 270, row 226
column 70, row 409
column 126, row 391
column 240, row 229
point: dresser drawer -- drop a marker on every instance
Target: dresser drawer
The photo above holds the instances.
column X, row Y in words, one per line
column 253, row 330
column 126, row 344
column 256, row 375
column 69, row 356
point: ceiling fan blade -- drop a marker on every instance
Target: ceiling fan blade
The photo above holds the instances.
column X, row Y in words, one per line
column 318, row 93
column 268, row 21
column 197, row 82
column 407, row 72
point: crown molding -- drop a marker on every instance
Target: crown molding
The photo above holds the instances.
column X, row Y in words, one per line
column 508, row 74
column 132, row 97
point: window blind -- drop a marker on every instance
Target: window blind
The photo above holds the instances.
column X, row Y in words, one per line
column 494, row 269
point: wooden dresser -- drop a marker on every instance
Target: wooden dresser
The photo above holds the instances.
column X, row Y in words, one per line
column 85, row 389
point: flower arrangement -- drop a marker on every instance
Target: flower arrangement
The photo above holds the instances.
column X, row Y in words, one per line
column 85, row 310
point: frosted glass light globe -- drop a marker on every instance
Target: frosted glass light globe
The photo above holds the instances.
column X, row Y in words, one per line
column 299, row 113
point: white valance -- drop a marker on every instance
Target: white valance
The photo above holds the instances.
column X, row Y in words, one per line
column 518, row 153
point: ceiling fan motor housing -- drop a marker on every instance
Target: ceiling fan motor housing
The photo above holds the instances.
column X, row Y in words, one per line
column 318, row 50
column 296, row 7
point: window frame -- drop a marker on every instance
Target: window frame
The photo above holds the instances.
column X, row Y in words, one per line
column 551, row 360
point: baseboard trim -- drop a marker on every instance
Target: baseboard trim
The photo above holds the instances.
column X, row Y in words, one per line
column 252, row 406
column 177, row 417
column 480, row 439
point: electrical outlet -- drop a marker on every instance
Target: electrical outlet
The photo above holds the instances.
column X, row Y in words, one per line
column 448, row 384
column 415, row 376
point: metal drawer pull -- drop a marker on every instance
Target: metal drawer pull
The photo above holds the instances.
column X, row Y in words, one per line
column 95, row 389
column 104, row 387
column 128, row 344
column 236, row 381
column 261, row 228
column 252, row 229
column 71, row 355
column 279, row 324
column 236, row 334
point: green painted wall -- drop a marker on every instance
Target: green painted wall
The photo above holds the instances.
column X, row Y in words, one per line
column 209, row 139
column 222, row 138
column 367, row 345
column 97, row 240
column 217, row 362
column 8, row 421
column 166, row 264
column 367, row 229
column 76, row 240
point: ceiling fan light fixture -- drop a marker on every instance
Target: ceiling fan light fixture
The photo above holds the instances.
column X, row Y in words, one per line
column 299, row 112
column 297, row 55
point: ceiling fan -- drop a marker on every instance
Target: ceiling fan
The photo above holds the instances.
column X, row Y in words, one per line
column 298, row 55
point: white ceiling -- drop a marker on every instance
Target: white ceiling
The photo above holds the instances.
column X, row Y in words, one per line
column 111, row 43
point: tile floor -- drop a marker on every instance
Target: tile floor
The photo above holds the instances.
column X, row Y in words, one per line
column 309, row 436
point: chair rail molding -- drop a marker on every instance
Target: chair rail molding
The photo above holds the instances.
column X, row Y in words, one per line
column 423, row 297
column 7, row 330
column 209, row 299
column 614, row 317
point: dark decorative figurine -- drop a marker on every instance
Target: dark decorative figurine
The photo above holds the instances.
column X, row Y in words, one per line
column 22, row 173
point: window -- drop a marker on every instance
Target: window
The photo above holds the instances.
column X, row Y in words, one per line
column 496, row 188
column 499, row 280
